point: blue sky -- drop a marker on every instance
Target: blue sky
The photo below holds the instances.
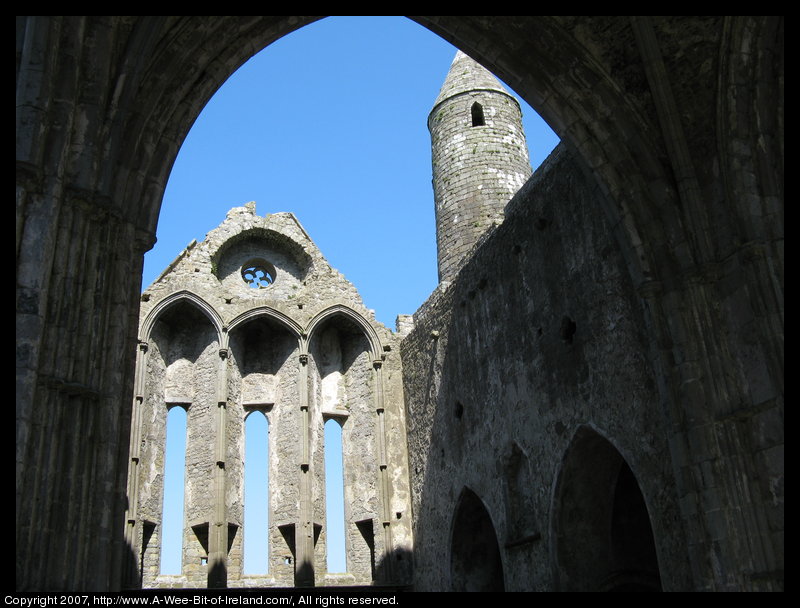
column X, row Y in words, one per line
column 329, row 123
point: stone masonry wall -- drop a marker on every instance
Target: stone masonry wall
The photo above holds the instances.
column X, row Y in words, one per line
column 263, row 376
column 540, row 337
column 181, row 373
column 476, row 169
column 300, row 349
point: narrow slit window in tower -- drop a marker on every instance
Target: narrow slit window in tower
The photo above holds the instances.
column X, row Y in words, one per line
column 477, row 115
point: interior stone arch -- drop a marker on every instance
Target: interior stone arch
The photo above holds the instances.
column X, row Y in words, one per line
column 182, row 372
column 475, row 560
column 264, row 375
column 104, row 103
column 288, row 261
column 342, row 388
column 607, row 129
column 602, row 533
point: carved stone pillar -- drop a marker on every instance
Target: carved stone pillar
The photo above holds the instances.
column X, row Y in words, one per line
column 304, row 535
column 218, row 530
column 131, row 572
column 383, row 471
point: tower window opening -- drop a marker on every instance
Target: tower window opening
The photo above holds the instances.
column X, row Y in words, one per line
column 477, row 115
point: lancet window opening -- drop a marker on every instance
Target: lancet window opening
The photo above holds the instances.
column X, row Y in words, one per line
column 174, row 484
column 256, row 494
column 334, row 498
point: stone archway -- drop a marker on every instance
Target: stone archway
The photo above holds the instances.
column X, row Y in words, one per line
column 475, row 561
column 104, row 103
column 604, row 540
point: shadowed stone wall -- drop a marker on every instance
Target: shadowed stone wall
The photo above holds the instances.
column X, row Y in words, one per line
column 540, row 334
column 679, row 121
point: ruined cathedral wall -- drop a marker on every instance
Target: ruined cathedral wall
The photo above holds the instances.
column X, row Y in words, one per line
column 541, row 335
column 360, row 457
column 181, row 373
column 200, row 461
column 234, row 462
column 344, row 374
column 151, row 476
column 225, row 347
column 400, row 510
column 343, row 389
column 263, row 380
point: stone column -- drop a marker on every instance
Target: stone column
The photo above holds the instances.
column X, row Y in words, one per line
column 711, row 442
column 131, row 575
column 304, row 535
column 383, row 472
column 75, row 326
column 218, row 530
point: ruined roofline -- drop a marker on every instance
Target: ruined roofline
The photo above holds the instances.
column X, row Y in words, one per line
column 185, row 252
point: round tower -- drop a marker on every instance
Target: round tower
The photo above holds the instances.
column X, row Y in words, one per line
column 480, row 159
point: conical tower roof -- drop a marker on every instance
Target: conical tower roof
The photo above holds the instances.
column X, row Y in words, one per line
column 466, row 74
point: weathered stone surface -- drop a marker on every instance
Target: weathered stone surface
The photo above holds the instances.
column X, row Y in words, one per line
column 480, row 159
column 510, row 396
column 675, row 128
column 295, row 343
